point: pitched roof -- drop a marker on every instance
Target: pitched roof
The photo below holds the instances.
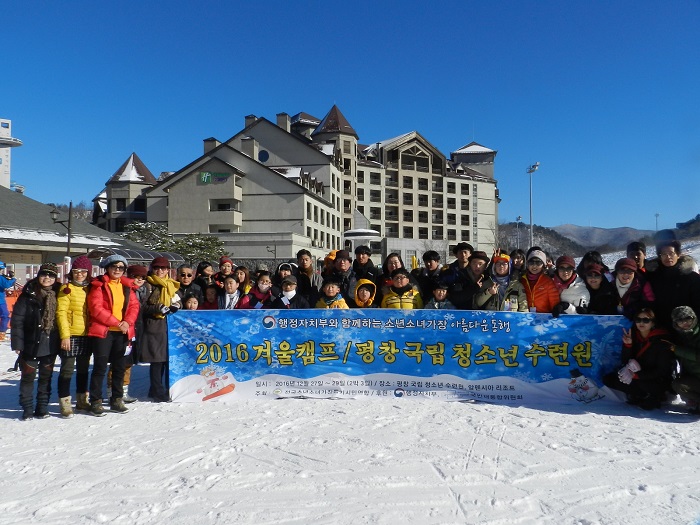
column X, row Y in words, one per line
column 133, row 170
column 474, row 147
column 304, row 118
column 335, row 122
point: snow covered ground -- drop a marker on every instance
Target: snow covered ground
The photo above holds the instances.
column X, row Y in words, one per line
column 303, row 461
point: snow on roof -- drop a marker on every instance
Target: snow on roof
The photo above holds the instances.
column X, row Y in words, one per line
column 48, row 236
column 371, row 150
column 473, row 147
column 326, row 149
column 133, row 170
column 293, row 172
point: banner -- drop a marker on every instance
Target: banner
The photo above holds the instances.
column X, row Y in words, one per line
column 501, row 357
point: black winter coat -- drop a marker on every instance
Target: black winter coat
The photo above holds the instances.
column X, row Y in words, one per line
column 27, row 327
column 678, row 285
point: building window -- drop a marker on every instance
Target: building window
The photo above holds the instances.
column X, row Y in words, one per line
column 408, row 199
column 140, row 204
column 407, row 232
column 465, row 220
column 375, row 179
column 422, row 233
column 360, row 176
column 423, row 184
column 375, row 196
column 347, row 206
column 120, row 205
column 451, row 187
column 360, row 194
column 408, row 183
column 308, row 210
column 375, row 214
column 465, row 189
column 465, row 235
column 408, row 215
column 422, row 200
column 451, row 203
column 346, row 147
column 451, row 235
column 423, row 217
column 347, row 187
column 437, row 233
column 376, row 227
column 465, row 204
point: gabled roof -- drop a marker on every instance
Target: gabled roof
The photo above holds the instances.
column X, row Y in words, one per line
column 133, row 170
column 335, row 122
column 304, row 118
column 474, row 147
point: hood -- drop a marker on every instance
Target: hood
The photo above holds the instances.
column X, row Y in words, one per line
column 368, row 283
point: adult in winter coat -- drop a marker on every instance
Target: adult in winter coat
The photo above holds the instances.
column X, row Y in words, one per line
column 674, row 282
column 428, row 277
column 162, row 301
column 185, row 275
column 633, row 290
column 226, row 267
column 309, row 281
column 500, row 291
column 542, row 295
column 392, row 262
column 290, row 299
column 113, row 309
column 573, row 294
column 648, row 363
column 687, row 384
column 401, row 293
column 604, row 298
column 466, row 281
column 363, row 267
column 35, row 339
column 72, row 321
column 7, row 281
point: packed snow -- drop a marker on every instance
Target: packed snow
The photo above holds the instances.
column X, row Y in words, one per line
column 302, row 461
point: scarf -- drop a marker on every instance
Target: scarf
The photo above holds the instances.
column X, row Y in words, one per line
column 622, row 288
column 402, row 290
column 330, row 300
column 502, row 281
column 168, row 287
column 48, row 297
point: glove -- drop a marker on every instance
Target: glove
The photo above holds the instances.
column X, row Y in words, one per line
column 633, row 366
column 581, row 310
column 164, row 310
column 625, row 375
column 559, row 309
column 10, row 274
column 173, row 308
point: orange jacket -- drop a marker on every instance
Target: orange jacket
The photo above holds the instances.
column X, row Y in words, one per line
column 543, row 295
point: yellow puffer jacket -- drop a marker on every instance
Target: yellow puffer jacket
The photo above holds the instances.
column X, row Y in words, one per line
column 410, row 300
column 72, row 311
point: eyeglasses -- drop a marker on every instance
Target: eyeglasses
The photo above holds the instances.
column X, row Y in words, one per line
column 186, row 275
column 593, row 275
column 668, row 255
column 47, row 274
column 535, row 262
column 118, row 267
column 642, row 320
column 400, row 277
column 566, row 268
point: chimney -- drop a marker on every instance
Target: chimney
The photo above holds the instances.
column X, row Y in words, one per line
column 249, row 146
column 283, row 121
column 210, row 144
column 250, row 119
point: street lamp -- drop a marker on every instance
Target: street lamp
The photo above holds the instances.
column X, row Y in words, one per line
column 67, row 224
column 657, row 220
column 532, row 169
column 517, row 230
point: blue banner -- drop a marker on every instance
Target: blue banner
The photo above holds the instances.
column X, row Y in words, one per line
column 452, row 355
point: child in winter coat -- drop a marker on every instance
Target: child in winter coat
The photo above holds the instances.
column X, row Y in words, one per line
column 365, row 291
column 331, row 298
column 439, row 300
column 401, row 293
column 260, row 295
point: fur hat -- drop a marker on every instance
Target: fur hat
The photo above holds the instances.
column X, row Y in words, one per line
column 113, row 259
column 49, row 267
column 136, row 270
column 81, row 263
column 626, row 262
column 566, row 259
column 683, row 312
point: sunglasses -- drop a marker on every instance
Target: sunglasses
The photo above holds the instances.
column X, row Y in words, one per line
column 593, row 275
column 535, row 262
column 47, row 274
column 118, row 267
column 642, row 320
column 566, row 268
column 186, row 275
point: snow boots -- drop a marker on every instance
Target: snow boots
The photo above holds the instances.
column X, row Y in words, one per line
column 66, row 408
column 127, row 398
column 117, row 405
column 81, row 403
column 96, row 408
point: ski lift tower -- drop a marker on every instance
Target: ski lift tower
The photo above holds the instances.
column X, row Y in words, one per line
column 7, row 142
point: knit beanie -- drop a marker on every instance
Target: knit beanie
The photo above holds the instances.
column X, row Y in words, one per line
column 82, row 263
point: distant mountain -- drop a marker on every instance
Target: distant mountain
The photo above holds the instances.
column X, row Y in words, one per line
column 607, row 238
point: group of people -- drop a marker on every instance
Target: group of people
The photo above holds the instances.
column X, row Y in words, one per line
column 119, row 318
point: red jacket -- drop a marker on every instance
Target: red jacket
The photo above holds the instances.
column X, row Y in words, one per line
column 544, row 295
column 100, row 307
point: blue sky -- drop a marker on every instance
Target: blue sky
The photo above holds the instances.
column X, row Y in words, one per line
column 605, row 95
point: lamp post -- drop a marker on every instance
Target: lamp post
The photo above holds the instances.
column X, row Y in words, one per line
column 657, row 220
column 532, row 169
column 517, row 230
column 273, row 251
column 67, row 224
